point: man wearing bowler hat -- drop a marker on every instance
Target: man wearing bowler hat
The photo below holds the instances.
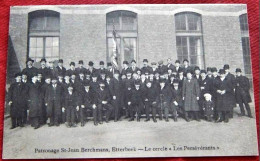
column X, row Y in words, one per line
column 242, row 93
column 43, row 69
column 30, row 70
column 81, row 69
column 146, row 67
column 54, row 101
column 61, row 69
column 91, row 68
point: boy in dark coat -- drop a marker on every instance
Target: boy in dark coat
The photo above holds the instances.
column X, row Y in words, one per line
column 54, row 101
column 242, row 93
column 164, row 98
column 177, row 102
column 150, row 101
column 71, row 106
column 208, row 107
column 103, row 102
column 15, row 101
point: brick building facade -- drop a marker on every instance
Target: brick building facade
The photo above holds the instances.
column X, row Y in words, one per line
column 208, row 35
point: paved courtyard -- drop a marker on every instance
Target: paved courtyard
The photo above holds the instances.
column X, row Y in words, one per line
column 238, row 137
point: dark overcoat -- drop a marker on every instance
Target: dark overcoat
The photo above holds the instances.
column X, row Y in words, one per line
column 16, row 96
column 242, row 90
column 224, row 102
column 190, row 92
column 34, row 100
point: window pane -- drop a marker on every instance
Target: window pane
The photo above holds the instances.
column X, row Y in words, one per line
column 39, row 43
column 32, row 42
column 55, row 41
column 39, row 52
column 122, row 20
column 193, row 21
column 243, row 22
column 129, row 48
column 55, row 51
column 180, row 22
column 48, row 41
column 32, row 52
column 48, row 52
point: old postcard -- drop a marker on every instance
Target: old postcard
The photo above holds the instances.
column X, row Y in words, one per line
column 116, row 81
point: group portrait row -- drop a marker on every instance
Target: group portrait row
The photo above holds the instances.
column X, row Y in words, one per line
column 55, row 95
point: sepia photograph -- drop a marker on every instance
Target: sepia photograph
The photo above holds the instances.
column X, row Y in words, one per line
column 128, row 81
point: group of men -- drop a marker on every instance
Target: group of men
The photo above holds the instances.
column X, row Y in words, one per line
column 55, row 95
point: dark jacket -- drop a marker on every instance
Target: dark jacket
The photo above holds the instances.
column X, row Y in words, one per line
column 34, row 100
column 102, row 95
column 16, row 96
column 54, row 94
column 177, row 96
column 61, row 71
column 242, row 90
column 71, row 100
column 151, row 94
column 30, row 72
column 164, row 95
column 137, row 96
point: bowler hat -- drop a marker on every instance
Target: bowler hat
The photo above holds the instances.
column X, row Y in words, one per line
column 90, row 63
column 185, row 60
column 221, row 71
column 109, row 64
column 238, row 70
column 196, row 68
column 145, row 60
column 133, row 61
column 203, row 71
column 29, row 59
column 81, row 62
column 208, row 69
column 226, row 66
column 101, row 63
column 125, row 62
column 72, row 63
column 43, row 59
column 177, row 61
column 160, row 62
column 60, row 61
column 214, row 69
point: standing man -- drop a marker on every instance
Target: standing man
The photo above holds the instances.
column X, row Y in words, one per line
column 150, row 101
column 81, row 69
column 146, row 67
column 116, row 92
column 232, row 82
column 164, row 98
column 125, row 68
column 30, row 71
column 43, row 69
column 169, row 64
column 190, row 94
column 91, row 68
column 60, row 68
column 224, row 102
column 177, row 102
column 54, row 101
column 242, row 93
column 133, row 68
column 53, row 72
column 109, row 70
column 34, row 96
column 16, row 102
column 137, row 101
column 177, row 67
column 186, row 67
column 161, row 68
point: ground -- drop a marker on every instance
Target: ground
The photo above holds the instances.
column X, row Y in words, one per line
column 238, row 137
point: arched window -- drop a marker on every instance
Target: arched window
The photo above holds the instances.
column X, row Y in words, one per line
column 245, row 43
column 124, row 23
column 189, row 38
column 44, row 32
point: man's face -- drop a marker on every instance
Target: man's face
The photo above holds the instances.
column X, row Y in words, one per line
column 197, row 72
column 24, row 76
column 137, row 86
column 189, row 75
column 226, row 71
column 133, row 64
column 34, row 79
column 142, row 76
column 215, row 74
column 18, row 79
column 94, row 79
column 54, row 81
column 103, row 76
column 175, row 85
column 169, row 61
column 81, row 75
column 123, row 76
column 87, row 76
column 203, row 75
column 222, row 75
column 177, row 64
column 39, row 76
column 185, row 63
column 145, row 64
column 72, row 67
column 162, row 84
column 181, row 74
column 48, row 80
column 169, row 71
column 125, row 65
column 207, row 98
column 43, row 64
column 108, row 79
column 149, row 84
column 116, row 75
column 87, row 88
column 80, row 65
column 67, row 78
column 51, row 65
column 154, row 66
column 29, row 63
column 238, row 74
column 60, row 64
column 73, row 76
column 128, row 76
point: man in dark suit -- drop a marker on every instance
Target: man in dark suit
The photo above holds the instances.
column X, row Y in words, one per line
column 177, row 102
column 72, row 69
column 53, row 72
column 186, row 67
column 116, row 93
column 103, row 102
column 16, row 102
column 230, row 77
column 91, row 68
column 161, row 68
column 30, row 71
column 196, row 74
column 81, row 69
column 110, row 70
column 242, row 93
column 60, row 68
column 125, row 68
column 133, row 67
column 150, row 101
column 71, row 106
column 146, row 67
column 177, row 66
column 102, row 68
column 43, row 69
column 164, row 99
column 169, row 64
column 54, row 102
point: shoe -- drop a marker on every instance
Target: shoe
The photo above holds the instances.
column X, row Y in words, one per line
column 37, row 127
column 132, row 119
column 218, row 120
column 167, row 120
column 148, row 119
column 57, row 124
column 12, row 127
column 100, row 122
column 95, row 123
column 160, row 118
column 50, row 124
column 22, row 125
column 187, row 119
column 226, row 121
column 250, row 116
column 82, row 124
column 198, row 120
column 175, row 119
column 138, row 119
column 107, row 121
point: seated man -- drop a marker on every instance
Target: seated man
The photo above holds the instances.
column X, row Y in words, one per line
column 103, row 101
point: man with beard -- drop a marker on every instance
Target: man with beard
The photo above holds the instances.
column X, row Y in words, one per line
column 15, row 101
